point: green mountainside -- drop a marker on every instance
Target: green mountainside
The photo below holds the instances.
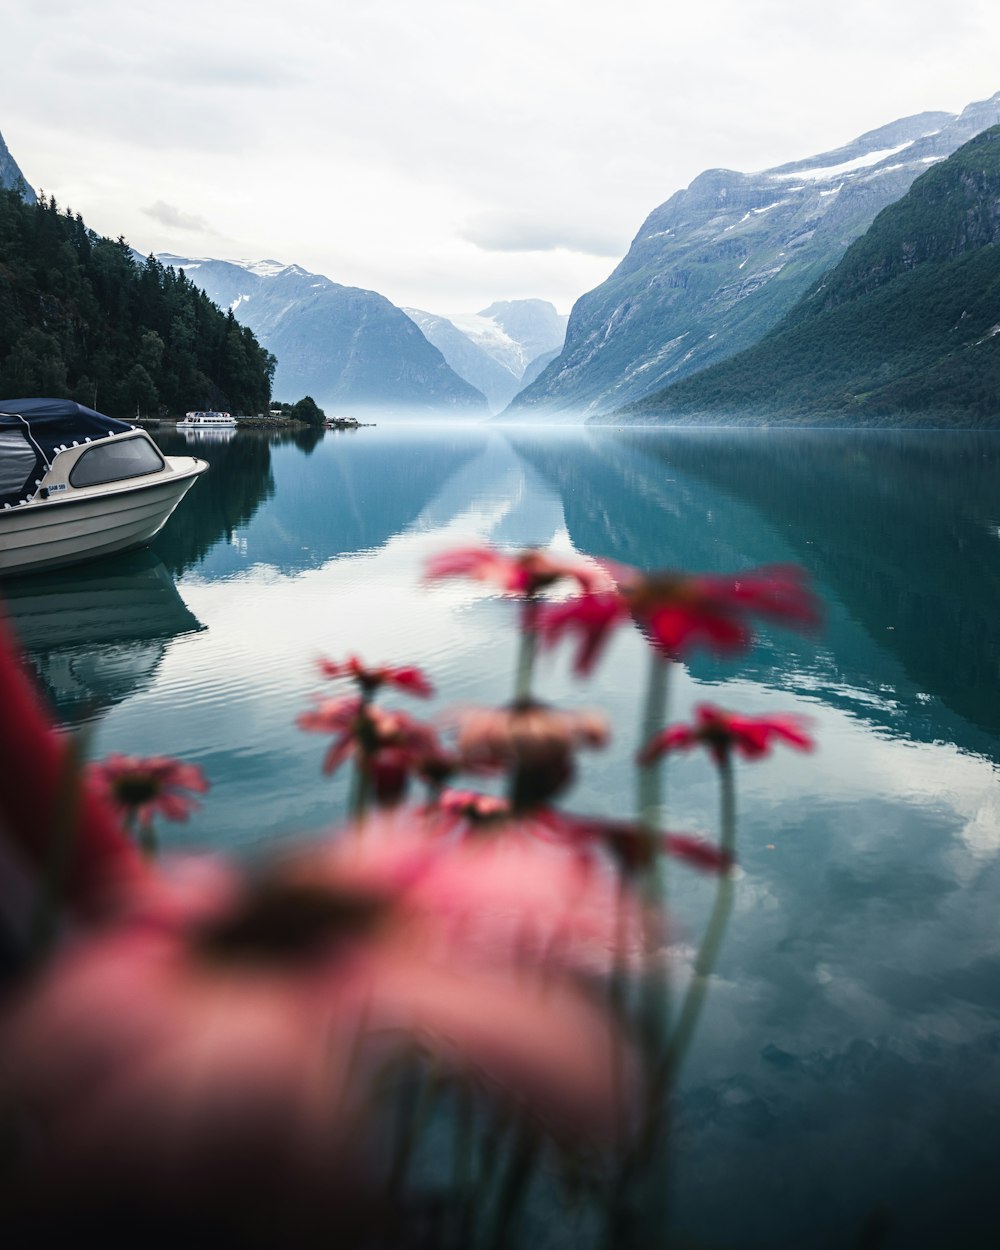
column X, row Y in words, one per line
column 905, row 330
column 83, row 317
column 719, row 264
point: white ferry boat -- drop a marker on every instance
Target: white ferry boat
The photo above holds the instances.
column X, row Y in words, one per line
column 207, row 420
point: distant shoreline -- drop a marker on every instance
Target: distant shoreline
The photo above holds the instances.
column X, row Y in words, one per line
column 245, row 423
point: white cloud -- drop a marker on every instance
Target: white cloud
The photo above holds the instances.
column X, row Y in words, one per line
column 527, row 232
column 171, row 216
column 374, row 142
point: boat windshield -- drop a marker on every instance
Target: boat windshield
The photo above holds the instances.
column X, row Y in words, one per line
column 115, row 461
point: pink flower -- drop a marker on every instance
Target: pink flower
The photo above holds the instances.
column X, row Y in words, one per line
column 140, row 788
column 224, row 1057
column 468, row 809
column 495, row 894
column 437, row 765
column 527, row 573
column 364, row 729
column 681, row 612
column 34, row 761
column 405, row 677
column 722, row 732
column 531, row 740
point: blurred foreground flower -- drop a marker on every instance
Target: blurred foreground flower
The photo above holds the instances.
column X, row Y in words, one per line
column 221, row 1053
column 46, row 817
column 467, row 812
column 535, row 743
column 681, row 612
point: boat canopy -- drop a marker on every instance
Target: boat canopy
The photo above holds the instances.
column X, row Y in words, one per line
column 33, row 431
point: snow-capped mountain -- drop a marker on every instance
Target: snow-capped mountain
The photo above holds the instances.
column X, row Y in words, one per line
column 493, row 349
column 339, row 344
column 903, row 331
column 713, row 269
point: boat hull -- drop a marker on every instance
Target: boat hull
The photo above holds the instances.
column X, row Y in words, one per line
column 84, row 525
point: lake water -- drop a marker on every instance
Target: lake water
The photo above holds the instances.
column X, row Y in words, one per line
column 845, row 1081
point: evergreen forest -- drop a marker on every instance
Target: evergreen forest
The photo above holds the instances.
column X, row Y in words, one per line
column 86, row 318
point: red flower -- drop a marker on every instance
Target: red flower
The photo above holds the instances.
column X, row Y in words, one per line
column 387, row 745
column 226, row 1057
column 681, row 612
column 405, row 677
column 527, row 573
column 592, row 617
column 334, row 716
column 632, row 845
column 722, row 732
column 139, row 789
column 34, row 759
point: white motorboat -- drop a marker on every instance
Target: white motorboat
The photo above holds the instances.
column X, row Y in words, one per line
column 75, row 484
column 207, row 421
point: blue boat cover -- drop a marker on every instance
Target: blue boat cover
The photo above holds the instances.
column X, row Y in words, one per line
column 33, row 431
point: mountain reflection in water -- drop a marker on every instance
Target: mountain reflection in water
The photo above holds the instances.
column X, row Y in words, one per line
column 902, row 530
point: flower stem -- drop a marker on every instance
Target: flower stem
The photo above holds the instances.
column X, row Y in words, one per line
column 515, row 1183
column 655, row 1005
column 694, row 999
column 357, row 805
column 61, row 847
column 527, row 651
column 650, row 782
column 653, row 1144
column 415, row 1107
column 146, row 838
column 639, row 1175
column 463, row 1161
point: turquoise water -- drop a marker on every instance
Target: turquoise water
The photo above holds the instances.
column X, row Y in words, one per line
column 845, row 1081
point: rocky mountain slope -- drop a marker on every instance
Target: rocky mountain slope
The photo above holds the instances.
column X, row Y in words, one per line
column 904, row 330
column 341, row 345
column 10, row 176
column 713, row 269
column 496, row 350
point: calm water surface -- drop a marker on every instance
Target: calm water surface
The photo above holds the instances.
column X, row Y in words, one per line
column 846, row 1077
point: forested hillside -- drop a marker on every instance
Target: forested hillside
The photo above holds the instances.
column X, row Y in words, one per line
column 83, row 317
column 904, row 331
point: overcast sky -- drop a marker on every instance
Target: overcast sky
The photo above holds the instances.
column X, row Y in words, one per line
column 450, row 152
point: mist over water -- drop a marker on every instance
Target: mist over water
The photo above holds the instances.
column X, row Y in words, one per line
column 847, row 1068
